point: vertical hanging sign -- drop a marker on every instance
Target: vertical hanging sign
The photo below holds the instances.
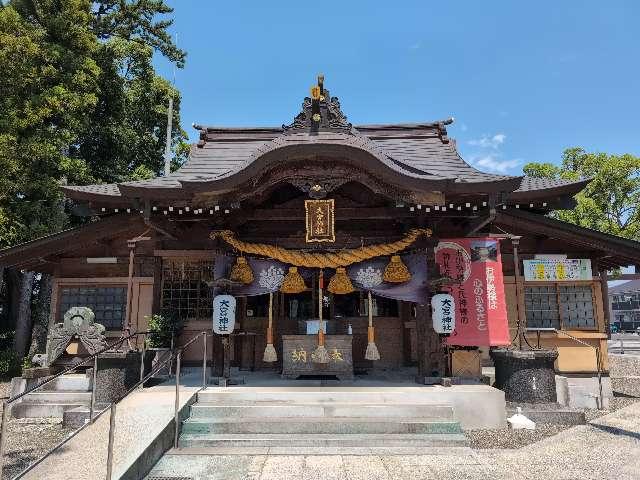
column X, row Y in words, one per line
column 475, row 266
column 320, row 220
column 224, row 314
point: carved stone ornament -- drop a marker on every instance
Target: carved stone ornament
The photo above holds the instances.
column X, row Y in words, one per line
column 78, row 323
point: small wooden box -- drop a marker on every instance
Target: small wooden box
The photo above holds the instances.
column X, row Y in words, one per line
column 466, row 363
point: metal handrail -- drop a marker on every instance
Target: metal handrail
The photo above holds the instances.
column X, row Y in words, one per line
column 97, row 416
column 178, row 357
column 75, row 366
column 6, row 404
column 173, row 354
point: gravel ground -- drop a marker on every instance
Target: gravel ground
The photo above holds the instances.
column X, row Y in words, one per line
column 5, row 387
column 506, row 438
column 29, row 439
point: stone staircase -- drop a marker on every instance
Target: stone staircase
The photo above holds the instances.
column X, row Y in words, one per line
column 308, row 420
column 55, row 399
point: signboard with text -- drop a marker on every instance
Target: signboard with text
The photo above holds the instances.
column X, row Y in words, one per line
column 224, row 314
column 475, row 267
column 557, row 270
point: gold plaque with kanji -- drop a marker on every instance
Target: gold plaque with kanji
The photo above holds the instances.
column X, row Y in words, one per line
column 320, row 221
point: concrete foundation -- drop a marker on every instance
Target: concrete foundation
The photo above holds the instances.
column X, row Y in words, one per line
column 474, row 406
column 583, row 391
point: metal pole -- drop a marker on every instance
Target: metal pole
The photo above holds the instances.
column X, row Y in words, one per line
column 3, row 433
column 92, row 405
column 176, row 417
column 144, row 349
column 621, row 346
column 204, row 360
column 601, row 405
column 172, row 345
column 112, row 428
column 167, row 148
column 515, row 241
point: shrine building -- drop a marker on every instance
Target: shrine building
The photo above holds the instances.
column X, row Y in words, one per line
column 333, row 239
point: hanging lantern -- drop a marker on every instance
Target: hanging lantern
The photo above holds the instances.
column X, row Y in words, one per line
column 293, row 282
column 270, row 355
column 372, row 352
column 340, row 283
column 396, row 271
column 241, row 271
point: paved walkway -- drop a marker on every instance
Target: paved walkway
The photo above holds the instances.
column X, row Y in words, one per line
column 139, row 420
column 608, row 448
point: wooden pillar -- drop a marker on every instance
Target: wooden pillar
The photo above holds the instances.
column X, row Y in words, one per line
column 217, row 356
column 157, row 285
column 432, row 358
column 604, row 288
column 126, row 328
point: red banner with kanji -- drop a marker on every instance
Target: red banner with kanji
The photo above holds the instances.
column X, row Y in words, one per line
column 475, row 266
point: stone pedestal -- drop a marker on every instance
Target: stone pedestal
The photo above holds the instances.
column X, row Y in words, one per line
column 118, row 372
column 526, row 375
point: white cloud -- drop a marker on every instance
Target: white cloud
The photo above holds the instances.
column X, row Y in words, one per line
column 464, row 127
column 489, row 142
column 494, row 163
column 415, row 46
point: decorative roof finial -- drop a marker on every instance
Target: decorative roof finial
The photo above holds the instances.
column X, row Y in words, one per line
column 321, row 85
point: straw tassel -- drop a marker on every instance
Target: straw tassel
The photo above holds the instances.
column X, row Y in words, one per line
column 396, row 271
column 340, row 283
column 293, row 282
column 320, row 355
column 241, row 271
column 270, row 354
column 372, row 352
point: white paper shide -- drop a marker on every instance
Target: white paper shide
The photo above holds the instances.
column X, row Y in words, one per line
column 224, row 314
column 443, row 313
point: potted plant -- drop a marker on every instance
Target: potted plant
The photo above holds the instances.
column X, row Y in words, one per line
column 162, row 330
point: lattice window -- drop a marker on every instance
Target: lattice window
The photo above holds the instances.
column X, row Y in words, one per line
column 560, row 306
column 109, row 303
column 185, row 291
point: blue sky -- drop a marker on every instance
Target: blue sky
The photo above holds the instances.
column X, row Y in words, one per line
column 524, row 80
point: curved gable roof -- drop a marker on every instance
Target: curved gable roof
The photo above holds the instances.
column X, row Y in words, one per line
column 416, row 156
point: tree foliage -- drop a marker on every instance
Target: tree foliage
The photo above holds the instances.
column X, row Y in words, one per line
column 611, row 201
column 80, row 102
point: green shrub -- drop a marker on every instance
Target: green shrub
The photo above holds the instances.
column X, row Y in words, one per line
column 161, row 329
column 10, row 364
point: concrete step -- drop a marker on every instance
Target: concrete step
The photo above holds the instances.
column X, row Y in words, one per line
column 41, row 410
column 77, row 397
column 77, row 382
column 240, row 395
column 475, row 406
column 76, row 417
column 319, row 425
column 309, row 441
column 315, row 450
column 321, row 409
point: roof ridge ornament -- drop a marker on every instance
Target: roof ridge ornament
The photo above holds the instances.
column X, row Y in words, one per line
column 320, row 112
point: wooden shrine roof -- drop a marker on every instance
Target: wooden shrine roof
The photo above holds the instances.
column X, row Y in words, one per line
column 419, row 157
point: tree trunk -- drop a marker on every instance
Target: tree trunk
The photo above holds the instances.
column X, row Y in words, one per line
column 23, row 320
column 41, row 316
column 14, row 280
